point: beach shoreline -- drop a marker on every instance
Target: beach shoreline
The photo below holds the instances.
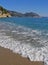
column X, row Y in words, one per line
column 7, row 57
column 26, row 42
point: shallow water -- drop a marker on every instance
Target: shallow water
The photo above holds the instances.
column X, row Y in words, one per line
column 25, row 33
column 30, row 31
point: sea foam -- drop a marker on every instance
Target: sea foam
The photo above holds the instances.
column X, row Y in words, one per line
column 25, row 50
column 32, row 44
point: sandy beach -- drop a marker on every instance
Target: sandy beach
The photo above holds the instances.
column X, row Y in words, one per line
column 7, row 57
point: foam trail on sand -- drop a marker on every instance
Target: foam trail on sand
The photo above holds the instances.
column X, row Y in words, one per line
column 34, row 54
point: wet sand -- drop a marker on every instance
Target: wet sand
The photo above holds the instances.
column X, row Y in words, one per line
column 7, row 57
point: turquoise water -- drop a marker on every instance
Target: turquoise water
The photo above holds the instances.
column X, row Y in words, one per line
column 26, row 36
column 33, row 31
column 34, row 23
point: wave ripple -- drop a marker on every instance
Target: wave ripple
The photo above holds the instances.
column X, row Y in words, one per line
column 29, row 43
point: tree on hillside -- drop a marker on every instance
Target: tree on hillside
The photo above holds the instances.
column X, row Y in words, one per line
column 3, row 10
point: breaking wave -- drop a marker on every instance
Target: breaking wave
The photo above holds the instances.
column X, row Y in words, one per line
column 27, row 42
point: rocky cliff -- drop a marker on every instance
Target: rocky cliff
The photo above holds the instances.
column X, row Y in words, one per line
column 7, row 13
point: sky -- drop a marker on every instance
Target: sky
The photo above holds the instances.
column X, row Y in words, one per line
column 37, row 6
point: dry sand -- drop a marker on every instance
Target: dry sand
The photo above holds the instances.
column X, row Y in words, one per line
column 7, row 57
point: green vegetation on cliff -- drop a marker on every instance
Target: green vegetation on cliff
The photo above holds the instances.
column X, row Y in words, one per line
column 17, row 14
column 4, row 11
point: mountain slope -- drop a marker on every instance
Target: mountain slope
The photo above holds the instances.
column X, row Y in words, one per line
column 8, row 13
column 4, row 12
column 18, row 14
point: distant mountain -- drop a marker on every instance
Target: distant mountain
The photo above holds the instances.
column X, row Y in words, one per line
column 29, row 14
column 17, row 14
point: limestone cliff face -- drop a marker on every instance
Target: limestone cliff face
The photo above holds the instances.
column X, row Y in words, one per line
column 4, row 12
column 5, row 15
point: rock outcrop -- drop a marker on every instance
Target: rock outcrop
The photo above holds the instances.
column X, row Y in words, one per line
column 4, row 12
column 7, row 13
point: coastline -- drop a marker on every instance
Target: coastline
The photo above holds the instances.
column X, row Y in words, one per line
column 7, row 57
column 5, row 15
column 9, row 42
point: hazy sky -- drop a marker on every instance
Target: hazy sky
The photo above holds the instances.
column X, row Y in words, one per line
column 37, row 6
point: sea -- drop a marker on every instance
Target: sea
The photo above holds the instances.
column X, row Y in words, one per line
column 26, row 36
